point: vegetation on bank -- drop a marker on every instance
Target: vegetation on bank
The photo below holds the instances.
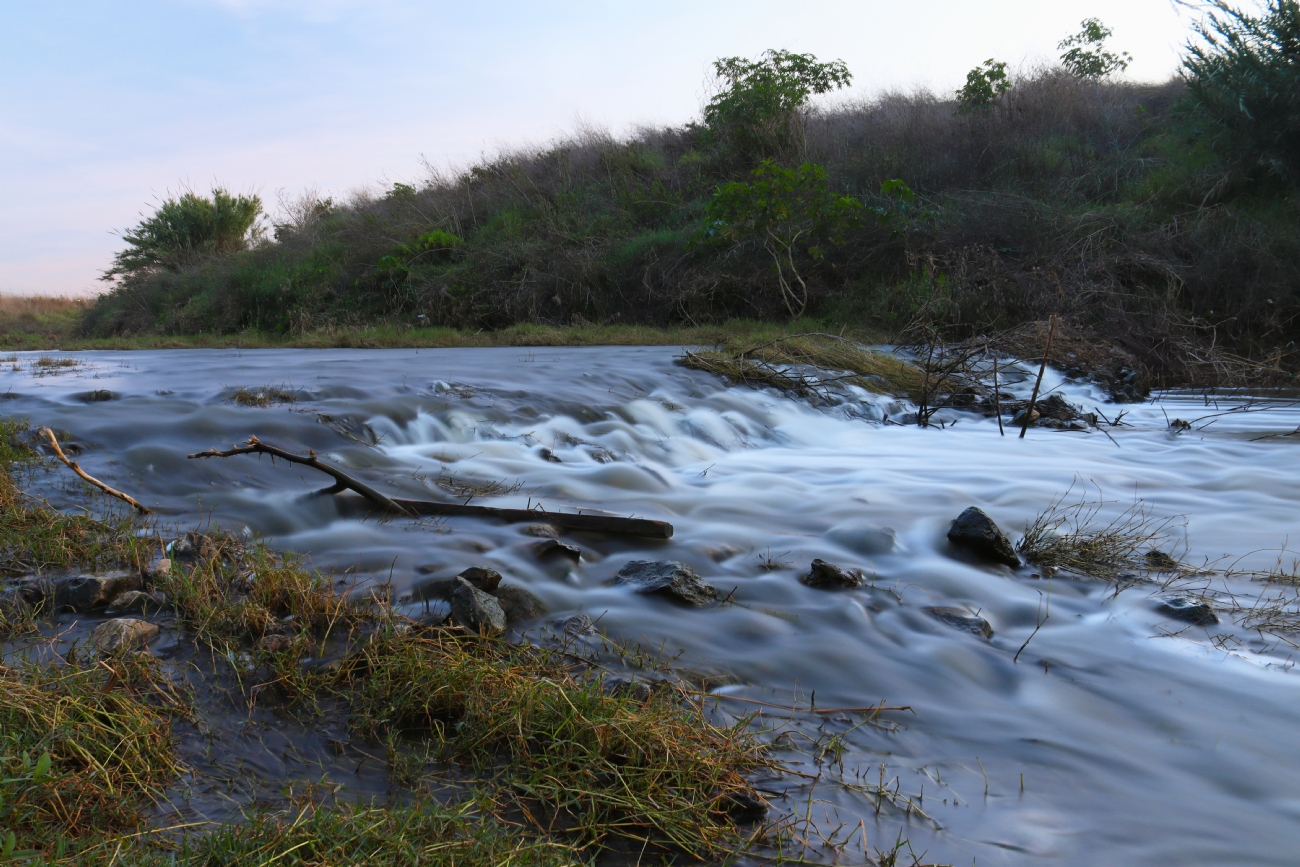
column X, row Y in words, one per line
column 1161, row 217
column 554, row 766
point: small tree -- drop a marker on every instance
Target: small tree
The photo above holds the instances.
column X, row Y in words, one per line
column 791, row 213
column 1085, row 55
column 756, row 112
column 984, row 85
column 186, row 228
column 1245, row 76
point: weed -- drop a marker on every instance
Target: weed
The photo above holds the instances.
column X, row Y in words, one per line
column 264, row 396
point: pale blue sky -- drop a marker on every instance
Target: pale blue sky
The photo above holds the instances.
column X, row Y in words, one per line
column 108, row 105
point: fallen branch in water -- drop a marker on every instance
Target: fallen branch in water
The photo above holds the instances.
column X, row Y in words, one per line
column 826, row 710
column 72, row 465
column 254, row 446
column 411, row 508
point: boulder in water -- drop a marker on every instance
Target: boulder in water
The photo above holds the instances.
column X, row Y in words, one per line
column 667, row 578
column 1188, row 608
column 975, row 531
column 124, row 633
column 960, row 618
column 475, row 610
column 518, row 604
column 828, row 576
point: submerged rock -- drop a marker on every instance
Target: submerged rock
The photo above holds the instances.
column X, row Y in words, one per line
column 960, row 618
column 863, row 538
column 545, row 531
column 475, row 610
column 1188, row 608
column 556, row 548
column 626, row 685
column 976, row 532
column 519, row 604
column 194, row 547
column 479, row 577
column 13, row 605
column 667, row 578
column 124, row 633
column 87, row 592
column 828, row 576
column 134, row 601
column 575, row 625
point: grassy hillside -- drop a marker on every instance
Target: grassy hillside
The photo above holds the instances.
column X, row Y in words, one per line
column 1101, row 200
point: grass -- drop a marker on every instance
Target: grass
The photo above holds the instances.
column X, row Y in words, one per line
column 809, row 366
column 572, row 757
column 267, row 395
column 1075, row 539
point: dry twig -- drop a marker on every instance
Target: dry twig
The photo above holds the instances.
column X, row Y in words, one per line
column 72, row 465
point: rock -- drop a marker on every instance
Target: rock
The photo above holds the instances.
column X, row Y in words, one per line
column 828, row 576
column 136, row 601
column 478, row 577
column 124, row 633
column 1127, row 385
column 275, row 643
column 161, row 569
column 1019, row 418
column 87, row 592
column 545, row 531
column 862, row 538
column 556, row 548
column 960, row 618
column 1188, row 608
column 1160, row 560
column 548, row 455
column 13, row 605
column 34, row 589
column 98, row 396
column 976, row 532
column 669, row 578
column 575, row 625
column 194, row 546
column 475, row 610
column 518, row 604
column 626, row 685
column 744, row 805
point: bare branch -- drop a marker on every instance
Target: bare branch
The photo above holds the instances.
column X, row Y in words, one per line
column 72, row 465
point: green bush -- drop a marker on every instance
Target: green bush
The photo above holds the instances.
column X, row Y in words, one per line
column 1084, row 54
column 184, row 230
column 984, row 85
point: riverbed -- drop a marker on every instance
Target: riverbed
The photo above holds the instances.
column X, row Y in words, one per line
column 1118, row 735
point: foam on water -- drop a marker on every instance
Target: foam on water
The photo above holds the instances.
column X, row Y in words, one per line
column 1136, row 747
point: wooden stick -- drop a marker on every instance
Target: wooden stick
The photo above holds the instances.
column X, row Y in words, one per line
column 411, row 508
column 254, row 446
column 1033, row 399
column 997, row 397
column 872, row 709
column 72, row 465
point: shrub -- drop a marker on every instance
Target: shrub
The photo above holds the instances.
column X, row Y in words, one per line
column 984, row 85
column 1084, row 54
column 186, row 228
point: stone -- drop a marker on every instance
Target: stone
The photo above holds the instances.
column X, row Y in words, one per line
column 475, row 610
column 1160, row 560
column 1188, row 608
column 548, row 455
column 161, row 569
column 87, row 592
column 975, row 531
column 575, row 625
column 98, row 396
column 862, row 538
column 136, row 601
column 194, row 546
column 478, row 577
column 123, row 633
column 545, row 531
column 626, row 685
column 275, row 643
column 960, row 618
column 518, row 604
column 828, row 576
column 555, row 548
column 13, row 605
column 668, row 578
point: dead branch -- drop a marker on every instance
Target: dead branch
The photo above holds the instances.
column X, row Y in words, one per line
column 412, row 508
column 254, row 446
column 72, row 465
column 1029, row 410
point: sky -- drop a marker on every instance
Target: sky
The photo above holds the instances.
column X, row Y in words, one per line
column 107, row 107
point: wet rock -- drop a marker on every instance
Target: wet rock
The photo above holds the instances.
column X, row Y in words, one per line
column 161, row 569
column 863, row 538
column 1189, row 609
column 626, row 685
column 124, row 633
column 1128, row 385
column 475, row 610
column 668, row 578
column 478, row 577
column 828, row 576
column 548, row 455
column 555, row 548
column 275, row 643
column 1160, row 560
column 518, row 604
column 34, row 589
column 136, row 602
column 975, row 531
column 87, row 592
column 1019, row 417
column 574, row 625
column 98, row 395
column 545, row 531
column 194, row 547
column 744, row 805
column 960, row 618
column 13, row 605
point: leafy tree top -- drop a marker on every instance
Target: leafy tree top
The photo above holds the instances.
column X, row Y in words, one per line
column 984, row 84
column 1085, row 53
column 755, row 111
column 186, row 228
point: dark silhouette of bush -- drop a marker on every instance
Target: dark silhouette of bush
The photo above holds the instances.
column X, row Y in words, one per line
column 184, row 229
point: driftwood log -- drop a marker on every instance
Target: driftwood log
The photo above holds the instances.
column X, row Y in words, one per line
column 561, row 520
column 76, row 468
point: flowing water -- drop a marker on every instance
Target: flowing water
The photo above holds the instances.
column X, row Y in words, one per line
column 1118, row 736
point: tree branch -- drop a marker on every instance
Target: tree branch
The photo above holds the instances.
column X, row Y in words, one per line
column 72, row 465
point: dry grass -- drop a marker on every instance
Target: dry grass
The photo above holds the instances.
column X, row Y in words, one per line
column 267, row 395
column 570, row 756
column 1076, row 539
column 811, row 366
